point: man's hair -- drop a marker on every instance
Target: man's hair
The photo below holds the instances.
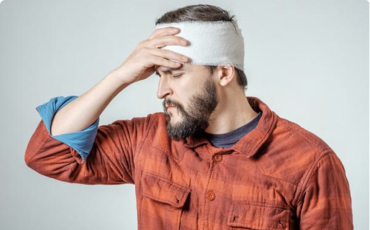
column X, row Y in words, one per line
column 203, row 13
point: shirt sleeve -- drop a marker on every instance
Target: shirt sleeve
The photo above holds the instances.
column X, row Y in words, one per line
column 112, row 159
column 81, row 141
column 326, row 199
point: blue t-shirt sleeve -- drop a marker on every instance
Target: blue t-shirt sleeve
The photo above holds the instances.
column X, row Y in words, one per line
column 81, row 141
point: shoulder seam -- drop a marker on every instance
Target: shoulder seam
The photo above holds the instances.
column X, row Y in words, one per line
column 302, row 136
column 306, row 178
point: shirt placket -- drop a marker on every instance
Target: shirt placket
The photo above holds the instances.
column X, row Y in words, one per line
column 216, row 157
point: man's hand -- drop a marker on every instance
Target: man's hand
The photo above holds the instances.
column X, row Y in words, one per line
column 141, row 63
column 138, row 66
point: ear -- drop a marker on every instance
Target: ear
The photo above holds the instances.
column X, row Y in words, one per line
column 226, row 74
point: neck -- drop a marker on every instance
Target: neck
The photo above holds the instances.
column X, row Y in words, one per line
column 230, row 114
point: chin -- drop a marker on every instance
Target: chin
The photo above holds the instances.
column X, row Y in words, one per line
column 174, row 118
column 175, row 121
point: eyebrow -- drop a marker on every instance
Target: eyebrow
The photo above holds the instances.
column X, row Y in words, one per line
column 170, row 70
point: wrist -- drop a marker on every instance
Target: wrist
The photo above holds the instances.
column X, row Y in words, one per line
column 116, row 79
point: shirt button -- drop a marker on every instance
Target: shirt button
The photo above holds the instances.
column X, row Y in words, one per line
column 218, row 158
column 211, row 195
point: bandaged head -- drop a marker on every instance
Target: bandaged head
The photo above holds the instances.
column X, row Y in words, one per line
column 210, row 43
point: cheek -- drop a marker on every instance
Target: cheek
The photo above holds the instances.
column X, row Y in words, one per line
column 189, row 87
column 183, row 95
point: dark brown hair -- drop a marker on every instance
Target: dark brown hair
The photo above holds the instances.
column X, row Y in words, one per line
column 205, row 13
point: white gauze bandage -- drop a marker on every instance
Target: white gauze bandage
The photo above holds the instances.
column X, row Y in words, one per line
column 211, row 43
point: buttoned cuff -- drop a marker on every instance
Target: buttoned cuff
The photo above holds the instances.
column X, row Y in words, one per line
column 81, row 141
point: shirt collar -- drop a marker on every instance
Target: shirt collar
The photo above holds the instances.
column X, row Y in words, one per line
column 251, row 142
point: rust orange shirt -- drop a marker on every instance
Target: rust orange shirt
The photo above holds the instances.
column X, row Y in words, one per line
column 279, row 176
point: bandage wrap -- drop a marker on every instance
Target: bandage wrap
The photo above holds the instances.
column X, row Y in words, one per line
column 211, row 43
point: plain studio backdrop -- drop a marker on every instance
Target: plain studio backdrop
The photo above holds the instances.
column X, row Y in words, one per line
column 308, row 60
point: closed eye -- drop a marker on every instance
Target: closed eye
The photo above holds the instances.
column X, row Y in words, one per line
column 177, row 75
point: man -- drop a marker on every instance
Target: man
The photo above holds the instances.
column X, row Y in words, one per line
column 215, row 159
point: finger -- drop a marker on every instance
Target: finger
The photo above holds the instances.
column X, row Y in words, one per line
column 164, row 32
column 170, row 55
column 158, row 61
column 165, row 41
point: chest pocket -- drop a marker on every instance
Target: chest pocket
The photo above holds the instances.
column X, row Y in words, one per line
column 258, row 216
column 162, row 202
column 164, row 191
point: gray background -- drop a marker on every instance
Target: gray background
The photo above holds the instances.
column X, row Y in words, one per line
column 308, row 60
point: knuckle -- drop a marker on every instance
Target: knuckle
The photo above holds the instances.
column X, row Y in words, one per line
column 154, row 34
column 163, row 52
column 143, row 51
column 142, row 44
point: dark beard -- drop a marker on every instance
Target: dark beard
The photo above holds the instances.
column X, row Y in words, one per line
column 195, row 121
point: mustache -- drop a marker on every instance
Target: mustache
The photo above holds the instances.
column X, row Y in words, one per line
column 169, row 102
column 179, row 106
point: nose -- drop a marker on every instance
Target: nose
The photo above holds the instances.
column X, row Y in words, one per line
column 164, row 88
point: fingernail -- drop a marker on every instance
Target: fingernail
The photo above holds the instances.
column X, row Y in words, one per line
column 184, row 58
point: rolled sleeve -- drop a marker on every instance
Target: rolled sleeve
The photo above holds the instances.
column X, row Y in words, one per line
column 81, row 141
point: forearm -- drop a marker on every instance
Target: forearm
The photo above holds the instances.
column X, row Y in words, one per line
column 84, row 110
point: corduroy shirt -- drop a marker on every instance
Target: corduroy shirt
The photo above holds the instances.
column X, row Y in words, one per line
column 278, row 177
